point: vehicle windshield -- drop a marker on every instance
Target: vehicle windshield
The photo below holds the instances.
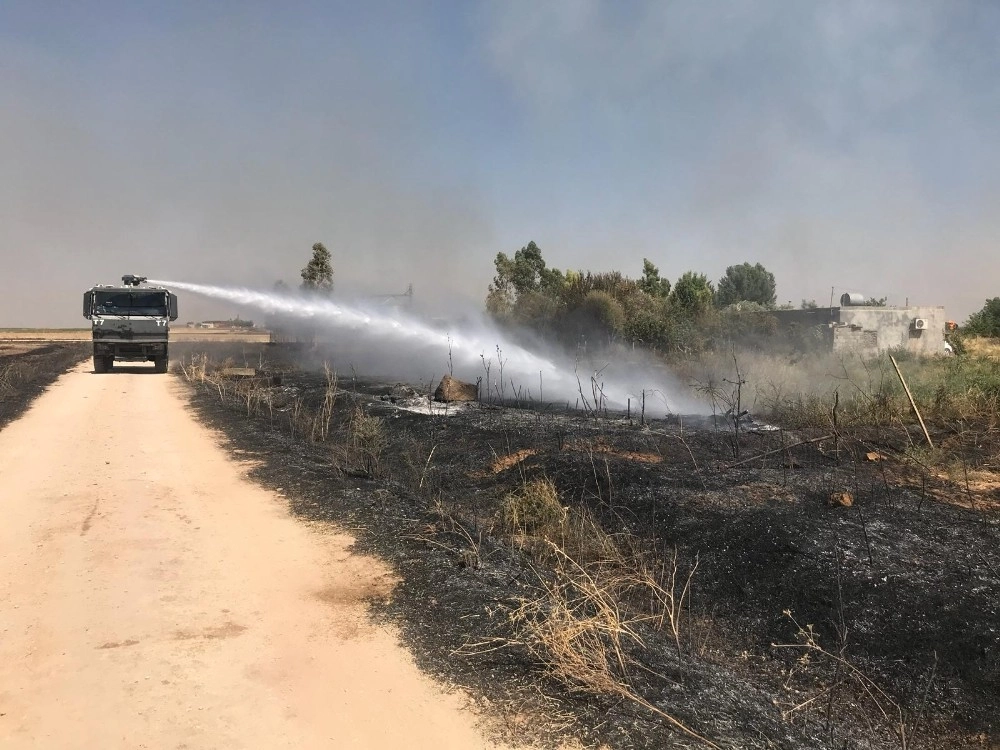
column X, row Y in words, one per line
column 130, row 303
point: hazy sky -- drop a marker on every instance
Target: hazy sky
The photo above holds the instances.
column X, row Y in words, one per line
column 846, row 144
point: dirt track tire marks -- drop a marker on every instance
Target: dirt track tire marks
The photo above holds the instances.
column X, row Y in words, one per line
column 150, row 596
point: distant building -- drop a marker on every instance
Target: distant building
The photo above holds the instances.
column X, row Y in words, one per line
column 868, row 329
column 233, row 323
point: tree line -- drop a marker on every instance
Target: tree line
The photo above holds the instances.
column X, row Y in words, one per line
column 690, row 314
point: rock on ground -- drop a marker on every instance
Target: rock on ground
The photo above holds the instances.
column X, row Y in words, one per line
column 452, row 389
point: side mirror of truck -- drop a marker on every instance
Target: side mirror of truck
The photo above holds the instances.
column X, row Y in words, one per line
column 88, row 304
column 172, row 306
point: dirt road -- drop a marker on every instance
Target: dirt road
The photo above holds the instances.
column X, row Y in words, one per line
column 151, row 597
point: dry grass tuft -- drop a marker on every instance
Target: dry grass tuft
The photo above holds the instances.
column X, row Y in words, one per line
column 535, row 509
column 368, row 440
column 538, row 522
column 14, row 374
column 580, row 630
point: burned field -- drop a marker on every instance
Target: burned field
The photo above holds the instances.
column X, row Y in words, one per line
column 672, row 583
column 27, row 369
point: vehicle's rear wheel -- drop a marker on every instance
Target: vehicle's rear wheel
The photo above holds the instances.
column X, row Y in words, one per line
column 102, row 363
column 160, row 364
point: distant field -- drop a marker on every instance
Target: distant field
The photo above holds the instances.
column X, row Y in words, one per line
column 176, row 334
column 218, row 334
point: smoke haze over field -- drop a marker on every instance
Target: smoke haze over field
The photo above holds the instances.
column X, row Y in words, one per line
column 840, row 143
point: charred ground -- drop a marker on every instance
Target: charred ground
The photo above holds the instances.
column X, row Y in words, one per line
column 770, row 617
column 27, row 369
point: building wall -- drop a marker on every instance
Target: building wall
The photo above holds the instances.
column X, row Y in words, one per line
column 880, row 328
column 816, row 316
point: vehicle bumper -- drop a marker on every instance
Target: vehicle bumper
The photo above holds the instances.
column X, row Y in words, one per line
column 130, row 351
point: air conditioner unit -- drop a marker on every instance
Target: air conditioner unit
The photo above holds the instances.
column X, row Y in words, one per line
column 920, row 324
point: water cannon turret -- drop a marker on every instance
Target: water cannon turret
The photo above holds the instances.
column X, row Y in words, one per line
column 130, row 280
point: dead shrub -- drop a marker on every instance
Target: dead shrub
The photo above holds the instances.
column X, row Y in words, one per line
column 583, row 538
column 534, row 509
column 578, row 630
column 668, row 590
column 368, row 441
column 320, row 428
column 891, row 714
column 459, row 539
column 196, row 368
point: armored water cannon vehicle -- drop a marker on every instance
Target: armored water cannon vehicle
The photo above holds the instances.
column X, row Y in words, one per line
column 130, row 323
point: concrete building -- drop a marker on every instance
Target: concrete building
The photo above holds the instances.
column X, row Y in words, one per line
column 867, row 329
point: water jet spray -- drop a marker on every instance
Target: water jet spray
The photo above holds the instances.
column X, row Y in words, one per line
column 471, row 349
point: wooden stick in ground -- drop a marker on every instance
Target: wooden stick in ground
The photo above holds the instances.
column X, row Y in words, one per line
column 779, row 450
column 912, row 402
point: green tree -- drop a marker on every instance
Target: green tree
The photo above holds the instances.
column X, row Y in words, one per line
column 646, row 322
column 536, row 310
column 651, row 282
column 985, row 322
column 876, row 301
column 604, row 312
column 317, row 276
column 746, row 283
column 526, row 272
column 692, row 294
column 808, row 304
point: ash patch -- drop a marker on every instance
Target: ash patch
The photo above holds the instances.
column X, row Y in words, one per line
column 407, row 398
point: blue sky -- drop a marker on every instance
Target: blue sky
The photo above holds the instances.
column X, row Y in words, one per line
column 841, row 143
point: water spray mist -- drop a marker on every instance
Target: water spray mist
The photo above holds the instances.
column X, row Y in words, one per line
column 481, row 348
